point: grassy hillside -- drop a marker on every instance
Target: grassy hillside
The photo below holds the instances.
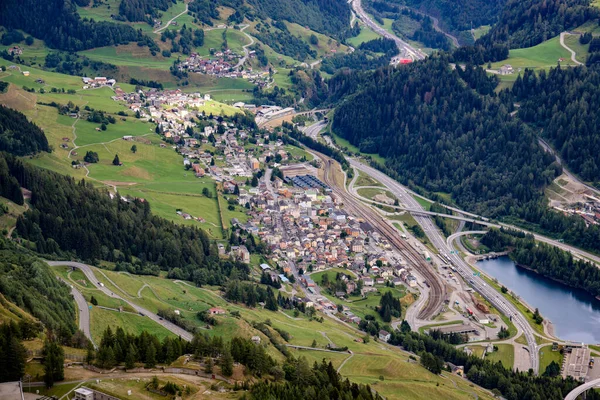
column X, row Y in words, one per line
column 153, row 172
column 543, row 56
column 403, row 378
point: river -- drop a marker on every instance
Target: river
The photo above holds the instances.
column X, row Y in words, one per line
column 574, row 313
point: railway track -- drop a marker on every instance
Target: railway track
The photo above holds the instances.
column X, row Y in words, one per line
column 437, row 291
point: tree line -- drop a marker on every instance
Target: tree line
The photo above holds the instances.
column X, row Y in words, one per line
column 512, row 385
column 547, row 260
column 58, row 24
column 19, row 136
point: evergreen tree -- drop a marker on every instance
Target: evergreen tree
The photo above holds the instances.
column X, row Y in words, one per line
column 208, row 365
column 134, row 149
column 226, row 364
column 151, row 356
column 116, row 160
column 54, row 358
column 131, row 357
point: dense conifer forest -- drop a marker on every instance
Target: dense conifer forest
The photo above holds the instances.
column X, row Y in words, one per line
column 18, row 135
column 565, row 104
column 139, row 10
column 438, row 133
column 69, row 217
column 525, row 23
column 325, row 16
column 58, row 24
column 462, row 14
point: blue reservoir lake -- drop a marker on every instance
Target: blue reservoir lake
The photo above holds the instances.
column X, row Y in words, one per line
column 574, row 313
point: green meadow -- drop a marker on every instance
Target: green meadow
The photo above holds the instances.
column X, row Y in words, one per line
column 366, row 363
column 543, row 56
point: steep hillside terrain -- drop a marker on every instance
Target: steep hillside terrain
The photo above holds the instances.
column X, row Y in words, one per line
column 438, row 133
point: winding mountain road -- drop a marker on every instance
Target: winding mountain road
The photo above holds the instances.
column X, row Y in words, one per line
column 165, row 26
column 573, row 54
column 89, row 273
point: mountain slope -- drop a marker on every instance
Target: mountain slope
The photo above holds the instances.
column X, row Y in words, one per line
column 525, row 23
column 58, row 24
column 435, row 131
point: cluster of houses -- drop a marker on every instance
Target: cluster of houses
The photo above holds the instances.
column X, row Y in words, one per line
column 305, row 228
column 97, row 82
column 224, row 64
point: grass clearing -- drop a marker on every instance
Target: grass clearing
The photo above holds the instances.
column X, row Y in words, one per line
column 348, row 147
column 365, row 35
column 505, row 354
column 426, row 204
column 542, row 56
column 480, row 31
column 366, row 180
column 8, row 220
column 370, row 193
column 581, row 50
column 547, row 356
column 325, row 46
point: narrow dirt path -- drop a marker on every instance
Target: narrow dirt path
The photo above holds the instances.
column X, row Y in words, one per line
column 159, row 30
column 344, row 362
column 573, row 54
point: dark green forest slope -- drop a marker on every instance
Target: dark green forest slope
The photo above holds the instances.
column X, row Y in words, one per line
column 326, row 16
column 139, row 10
column 29, row 284
column 565, row 103
column 69, row 217
column 19, row 136
column 440, row 134
column 58, row 24
column 525, row 23
column 460, row 15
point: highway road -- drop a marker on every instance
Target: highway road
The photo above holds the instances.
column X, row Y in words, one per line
column 84, row 313
column 402, row 45
column 478, row 284
column 486, row 222
column 89, row 273
column 573, row 394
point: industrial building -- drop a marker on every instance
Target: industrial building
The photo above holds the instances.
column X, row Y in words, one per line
column 307, row 182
